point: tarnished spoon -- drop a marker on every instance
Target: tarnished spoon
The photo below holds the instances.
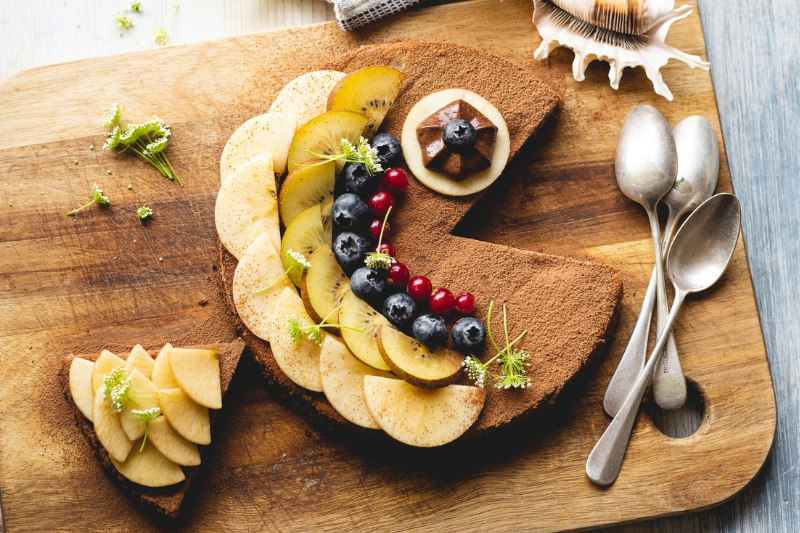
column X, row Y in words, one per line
column 698, row 169
column 701, row 252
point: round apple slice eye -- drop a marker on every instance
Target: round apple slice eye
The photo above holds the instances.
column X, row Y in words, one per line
column 442, row 183
column 306, row 96
column 299, row 360
column 269, row 133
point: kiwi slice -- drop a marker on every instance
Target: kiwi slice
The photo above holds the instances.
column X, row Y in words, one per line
column 356, row 313
column 370, row 91
column 310, row 183
column 307, row 232
column 323, row 136
column 323, row 286
column 416, row 363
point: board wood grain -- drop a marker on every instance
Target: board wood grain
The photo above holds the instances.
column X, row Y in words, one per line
column 71, row 284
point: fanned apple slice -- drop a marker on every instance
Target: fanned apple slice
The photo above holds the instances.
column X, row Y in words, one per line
column 149, row 467
column 416, row 363
column 323, row 136
column 247, row 206
column 80, row 385
column 108, row 428
column 299, row 360
column 102, row 367
column 323, row 286
column 139, row 358
column 259, row 267
column 162, row 376
column 269, row 133
column 307, row 95
column 370, row 91
column 170, row 443
column 306, row 233
column 197, row 372
column 145, row 396
column 356, row 313
column 310, row 183
column 188, row 418
column 342, row 378
column 422, row 417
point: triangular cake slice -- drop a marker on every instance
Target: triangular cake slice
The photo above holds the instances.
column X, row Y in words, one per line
column 165, row 501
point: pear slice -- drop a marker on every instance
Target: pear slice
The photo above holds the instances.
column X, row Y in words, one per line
column 259, row 267
column 197, row 373
column 310, row 183
column 370, row 91
column 323, row 286
column 188, row 418
column 108, row 428
column 307, row 95
column 299, row 360
column 307, row 232
column 416, row 363
column 80, row 385
column 422, row 417
column 342, row 378
column 102, row 367
column 149, row 467
column 323, row 136
column 171, row 444
column 139, row 358
column 145, row 396
column 247, row 206
column 162, row 376
column 356, row 313
column 270, row 133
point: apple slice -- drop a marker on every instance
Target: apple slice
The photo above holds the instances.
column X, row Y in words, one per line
column 80, row 385
column 145, row 396
column 370, row 91
column 108, row 428
column 323, row 286
column 342, row 378
column 188, row 418
column 162, row 376
column 171, row 444
column 149, row 467
column 307, row 232
column 102, row 367
column 356, row 313
column 422, row 417
column 323, row 136
column 298, row 360
column 258, row 268
column 416, row 363
column 247, row 206
column 310, row 183
column 307, row 95
column 139, row 358
column 197, row 373
column 270, row 133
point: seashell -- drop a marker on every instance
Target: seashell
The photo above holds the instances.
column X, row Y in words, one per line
column 625, row 33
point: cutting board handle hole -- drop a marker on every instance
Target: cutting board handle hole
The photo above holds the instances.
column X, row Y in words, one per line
column 683, row 422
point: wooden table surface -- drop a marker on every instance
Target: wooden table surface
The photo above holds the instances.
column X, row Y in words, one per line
column 753, row 48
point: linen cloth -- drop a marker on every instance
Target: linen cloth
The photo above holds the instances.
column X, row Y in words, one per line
column 352, row 14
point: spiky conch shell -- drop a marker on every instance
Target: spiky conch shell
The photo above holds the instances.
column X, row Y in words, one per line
column 591, row 29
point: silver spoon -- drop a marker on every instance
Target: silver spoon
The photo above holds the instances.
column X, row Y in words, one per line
column 698, row 169
column 701, row 252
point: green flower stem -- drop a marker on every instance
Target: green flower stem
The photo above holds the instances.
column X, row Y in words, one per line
column 75, row 211
column 268, row 287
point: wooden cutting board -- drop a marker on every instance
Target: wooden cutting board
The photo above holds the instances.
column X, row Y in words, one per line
column 72, row 285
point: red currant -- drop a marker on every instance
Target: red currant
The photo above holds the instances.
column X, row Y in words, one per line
column 380, row 202
column 465, row 303
column 397, row 275
column 386, row 248
column 395, row 180
column 441, row 302
column 419, row 288
column 374, row 229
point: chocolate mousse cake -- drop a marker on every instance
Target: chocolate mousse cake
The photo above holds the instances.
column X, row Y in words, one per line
column 569, row 307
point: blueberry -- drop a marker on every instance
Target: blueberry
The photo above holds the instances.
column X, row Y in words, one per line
column 430, row 330
column 390, row 153
column 368, row 284
column 357, row 180
column 349, row 211
column 349, row 249
column 469, row 335
column 459, row 135
column 400, row 309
